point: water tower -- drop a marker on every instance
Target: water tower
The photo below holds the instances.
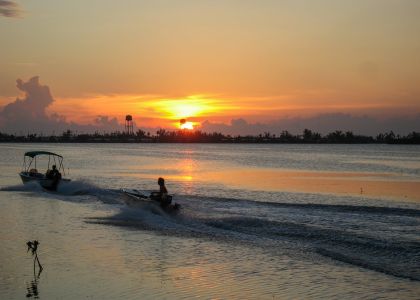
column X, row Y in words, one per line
column 129, row 125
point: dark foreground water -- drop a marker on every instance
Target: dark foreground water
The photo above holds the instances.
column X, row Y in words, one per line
column 236, row 236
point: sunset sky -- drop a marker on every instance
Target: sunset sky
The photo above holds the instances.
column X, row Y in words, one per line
column 216, row 63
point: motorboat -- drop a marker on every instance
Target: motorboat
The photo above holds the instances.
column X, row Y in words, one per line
column 136, row 196
column 49, row 180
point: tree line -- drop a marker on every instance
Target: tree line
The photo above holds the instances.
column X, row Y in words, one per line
column 196, row 136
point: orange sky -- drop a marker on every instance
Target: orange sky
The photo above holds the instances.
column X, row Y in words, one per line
column 216, row 60
column 160, row 111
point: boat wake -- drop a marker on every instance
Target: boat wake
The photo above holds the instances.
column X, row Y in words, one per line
column 72, row 191
column 28, row 187
column 383, row 239
column 71, row 188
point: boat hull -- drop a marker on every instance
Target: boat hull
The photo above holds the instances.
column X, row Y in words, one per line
column 135, row 198
column 46, row 183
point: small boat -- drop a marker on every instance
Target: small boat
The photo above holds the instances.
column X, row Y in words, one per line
column 30, row 172
column 136, row 196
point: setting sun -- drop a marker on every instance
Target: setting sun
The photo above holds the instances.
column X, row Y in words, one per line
column 182, row 108
column 187, row 125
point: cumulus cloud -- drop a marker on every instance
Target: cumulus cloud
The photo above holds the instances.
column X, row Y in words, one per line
column 29, row 113
column 9, row 9
column 106, row 123
column 324, row 123
column 32, row 106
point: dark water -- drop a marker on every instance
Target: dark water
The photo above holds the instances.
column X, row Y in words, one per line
column 226, row 242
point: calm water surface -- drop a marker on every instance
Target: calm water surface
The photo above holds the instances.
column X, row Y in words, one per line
column 257, row 222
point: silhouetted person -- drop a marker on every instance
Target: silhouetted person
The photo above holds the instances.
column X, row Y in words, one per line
column 162, row 188
column 161, row 196
column 55, row 175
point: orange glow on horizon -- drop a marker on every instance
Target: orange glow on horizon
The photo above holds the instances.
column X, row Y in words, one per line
column 156, row 111
column 187, row 125
column 175, row 109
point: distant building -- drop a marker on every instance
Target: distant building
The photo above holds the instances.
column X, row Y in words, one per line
column 129, row 129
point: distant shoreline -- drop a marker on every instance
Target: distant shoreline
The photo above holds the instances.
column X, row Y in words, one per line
column 195, row 142
column 188, row 136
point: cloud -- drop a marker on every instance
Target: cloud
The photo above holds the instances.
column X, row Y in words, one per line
column 106, row 123
column 29, row 113
column 323, row 123
column 236, row 127
column 9, row 9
